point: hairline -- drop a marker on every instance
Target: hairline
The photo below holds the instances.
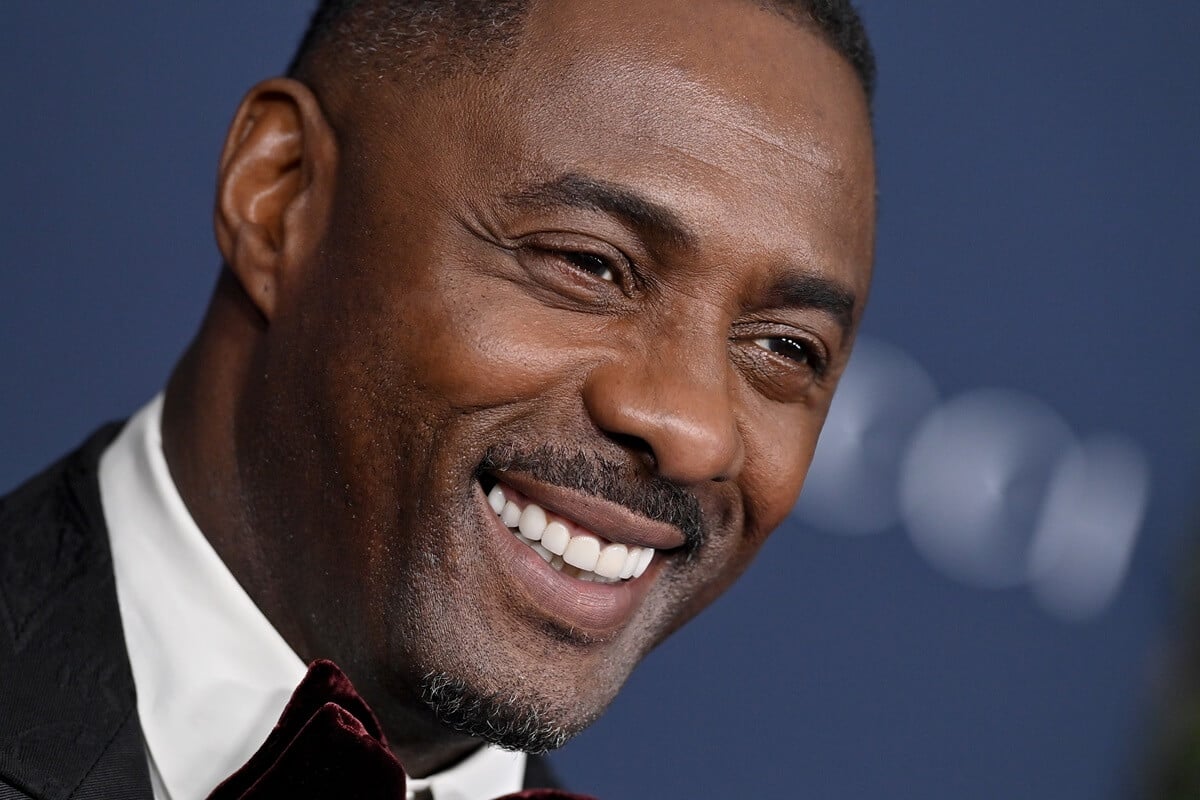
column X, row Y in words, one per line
column 432, row 56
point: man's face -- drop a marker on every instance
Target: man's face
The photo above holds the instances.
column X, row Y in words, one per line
column 616, row 277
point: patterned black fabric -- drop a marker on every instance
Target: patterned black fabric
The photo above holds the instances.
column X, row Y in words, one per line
column 68, row 712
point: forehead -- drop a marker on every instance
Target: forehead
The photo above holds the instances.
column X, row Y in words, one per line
column 744, row 123
column 757, row 60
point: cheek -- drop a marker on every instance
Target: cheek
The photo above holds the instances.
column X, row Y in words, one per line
column 779, row 451
column 779, row 442
column 477, row 345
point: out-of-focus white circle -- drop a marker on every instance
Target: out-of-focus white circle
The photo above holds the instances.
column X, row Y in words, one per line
column 851, row 486
column 973, row 483
column 1092, row 516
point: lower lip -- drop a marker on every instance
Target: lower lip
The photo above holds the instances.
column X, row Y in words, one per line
column 593, row 608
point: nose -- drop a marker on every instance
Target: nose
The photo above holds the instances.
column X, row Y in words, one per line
column 674, row 404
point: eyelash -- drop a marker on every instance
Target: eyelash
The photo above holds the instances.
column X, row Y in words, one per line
column 807, row 353
column 798, row 351
column 576, row 258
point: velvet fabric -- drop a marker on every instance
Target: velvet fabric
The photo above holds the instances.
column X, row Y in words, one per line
column 329, row 744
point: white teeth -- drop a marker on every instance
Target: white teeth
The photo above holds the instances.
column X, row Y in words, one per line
column 496, row 499
column 644, row 561
column 583, row 552
column 532, row 522
column 511, row 514
column 611, row 561
column 583, row 556
column 631, row 562
column 556, row 537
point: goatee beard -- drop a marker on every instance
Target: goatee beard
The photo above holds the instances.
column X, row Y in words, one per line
column 507, row 721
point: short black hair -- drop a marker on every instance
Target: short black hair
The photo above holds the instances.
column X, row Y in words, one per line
column 386, row 32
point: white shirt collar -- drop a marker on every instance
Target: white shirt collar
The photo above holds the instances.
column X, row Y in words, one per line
column 212, row 673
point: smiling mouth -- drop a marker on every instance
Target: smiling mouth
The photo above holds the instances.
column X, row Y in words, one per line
column 563, row 544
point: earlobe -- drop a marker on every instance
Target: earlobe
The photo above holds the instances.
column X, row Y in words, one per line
column 275, row 177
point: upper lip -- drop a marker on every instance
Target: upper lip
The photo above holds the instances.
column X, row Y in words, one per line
column 608, row 520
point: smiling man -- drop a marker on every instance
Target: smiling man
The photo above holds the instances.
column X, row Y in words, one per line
column 529, row 319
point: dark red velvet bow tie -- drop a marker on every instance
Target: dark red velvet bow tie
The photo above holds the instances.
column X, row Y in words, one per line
column 328, row 744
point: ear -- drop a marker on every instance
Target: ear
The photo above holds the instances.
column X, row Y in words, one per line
column 274, row 187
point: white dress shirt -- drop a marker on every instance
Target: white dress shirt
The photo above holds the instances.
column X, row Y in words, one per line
column 212, row 674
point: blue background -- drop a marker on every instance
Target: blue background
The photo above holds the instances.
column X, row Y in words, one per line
column 1038, row 231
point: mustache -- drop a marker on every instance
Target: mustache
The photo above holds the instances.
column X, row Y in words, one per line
column 648, row 495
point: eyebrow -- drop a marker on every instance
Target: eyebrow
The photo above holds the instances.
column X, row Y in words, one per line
column 578, row 191
column 800, row 290
column 793, row 289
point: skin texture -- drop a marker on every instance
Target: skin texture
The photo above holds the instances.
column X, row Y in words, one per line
column 400, row 298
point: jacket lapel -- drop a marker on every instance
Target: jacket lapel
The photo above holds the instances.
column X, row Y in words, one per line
column 68, row 712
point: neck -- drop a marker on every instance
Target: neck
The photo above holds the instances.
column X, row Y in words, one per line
column 199, row 440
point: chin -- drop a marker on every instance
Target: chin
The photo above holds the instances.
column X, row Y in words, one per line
column 514, row 720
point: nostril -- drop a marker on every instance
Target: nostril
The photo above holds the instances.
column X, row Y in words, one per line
column 632, row 443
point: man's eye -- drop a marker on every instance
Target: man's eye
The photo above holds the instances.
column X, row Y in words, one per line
column 591, row 264
column 793, row 349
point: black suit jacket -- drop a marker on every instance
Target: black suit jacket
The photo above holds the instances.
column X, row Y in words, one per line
column 68, row 712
